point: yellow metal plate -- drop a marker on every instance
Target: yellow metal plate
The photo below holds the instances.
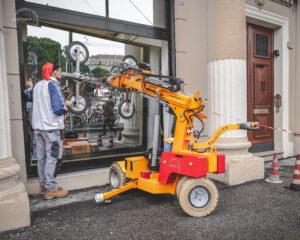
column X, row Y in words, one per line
column 153, row 186
column 136, row 165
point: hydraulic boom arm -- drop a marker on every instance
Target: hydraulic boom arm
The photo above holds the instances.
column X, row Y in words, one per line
column 186, row 108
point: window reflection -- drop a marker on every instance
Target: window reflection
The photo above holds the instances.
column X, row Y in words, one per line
column 97, row 127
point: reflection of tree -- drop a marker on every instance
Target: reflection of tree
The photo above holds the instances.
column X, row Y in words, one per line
column 47, row 50
column 99, row 72
column 84, row 68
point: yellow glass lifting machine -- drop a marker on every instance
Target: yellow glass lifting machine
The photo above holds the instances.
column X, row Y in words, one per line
column 183, row 167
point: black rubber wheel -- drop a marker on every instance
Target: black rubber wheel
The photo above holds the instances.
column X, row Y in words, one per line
column 126, row 110
column 198, row 197
column 70, row 52
column 117, row 178
column 128, row 61
column 82, row 106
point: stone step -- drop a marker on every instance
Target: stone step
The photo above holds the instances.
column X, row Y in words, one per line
column 74, row 180
column 268, row 155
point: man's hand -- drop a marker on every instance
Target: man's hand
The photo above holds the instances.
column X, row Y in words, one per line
column 28, row 84
column 68, row 104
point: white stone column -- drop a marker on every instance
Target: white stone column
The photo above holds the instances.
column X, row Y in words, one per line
column 132, row 127
column 228, row 89
column 154, row 61
column 14, row 204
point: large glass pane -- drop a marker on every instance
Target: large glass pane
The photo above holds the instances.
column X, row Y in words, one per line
column 148, row 12
column 99, row 129
column 96, row 7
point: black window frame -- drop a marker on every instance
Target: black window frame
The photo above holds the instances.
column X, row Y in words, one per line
column 64, row 16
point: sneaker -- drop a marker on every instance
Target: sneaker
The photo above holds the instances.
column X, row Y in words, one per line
column 57, row 193
column 44, row 190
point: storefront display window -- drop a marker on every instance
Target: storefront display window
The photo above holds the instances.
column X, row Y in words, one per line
column 96, row 133
column 103, row 121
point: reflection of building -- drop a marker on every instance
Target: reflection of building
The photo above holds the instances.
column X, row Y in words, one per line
column 104, row 61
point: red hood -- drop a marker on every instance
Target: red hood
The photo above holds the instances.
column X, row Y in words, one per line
column 47, row 70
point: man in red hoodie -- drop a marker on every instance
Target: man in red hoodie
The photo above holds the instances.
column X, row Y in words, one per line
column 49, row 108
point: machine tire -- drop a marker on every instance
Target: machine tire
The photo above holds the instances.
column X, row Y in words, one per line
column 83, row 99
column 208, row 197
column 127, row 59
column 69, row 55
column 179, row 184
column 117, row 178
column 120, row 107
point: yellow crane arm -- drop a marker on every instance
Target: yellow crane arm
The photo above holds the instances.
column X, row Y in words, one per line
column 137, row 82
column 184, row 107
column 217, row 134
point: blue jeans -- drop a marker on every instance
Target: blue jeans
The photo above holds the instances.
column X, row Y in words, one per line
column 48, row 150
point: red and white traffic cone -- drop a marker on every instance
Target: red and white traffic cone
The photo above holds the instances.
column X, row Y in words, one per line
column 110, row 140
column 295, row 185
column 274, row 173
column 99, row 141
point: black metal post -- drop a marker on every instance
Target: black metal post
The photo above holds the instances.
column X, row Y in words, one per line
column 170, row 14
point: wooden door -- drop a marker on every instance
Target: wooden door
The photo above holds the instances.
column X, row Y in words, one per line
column 260, row 80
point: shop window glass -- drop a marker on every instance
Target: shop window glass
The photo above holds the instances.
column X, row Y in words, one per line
column 99, row 129
column 96, row 7
column 148, row 12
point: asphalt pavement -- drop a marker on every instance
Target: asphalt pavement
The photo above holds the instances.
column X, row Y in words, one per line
column 255, row 210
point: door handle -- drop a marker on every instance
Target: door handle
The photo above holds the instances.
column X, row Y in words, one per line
column 263, row 85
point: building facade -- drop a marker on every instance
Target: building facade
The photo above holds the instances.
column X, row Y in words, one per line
column 104, row 61
column 243, row 55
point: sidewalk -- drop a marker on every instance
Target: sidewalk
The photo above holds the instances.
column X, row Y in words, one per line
column 255, row 210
